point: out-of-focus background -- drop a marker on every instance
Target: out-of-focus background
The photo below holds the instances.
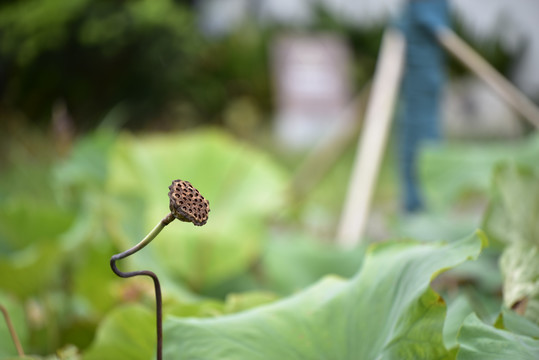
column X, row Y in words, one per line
column 104, row 103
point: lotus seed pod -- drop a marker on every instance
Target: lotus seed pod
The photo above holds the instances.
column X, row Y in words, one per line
column 186, row 203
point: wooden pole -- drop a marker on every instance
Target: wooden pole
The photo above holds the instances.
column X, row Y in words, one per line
column 507, row 91
column 370, row 150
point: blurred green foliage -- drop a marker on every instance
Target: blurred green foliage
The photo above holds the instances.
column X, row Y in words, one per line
column 148, row 56
column 461, row 172
column 61, row 219
column 59, row 227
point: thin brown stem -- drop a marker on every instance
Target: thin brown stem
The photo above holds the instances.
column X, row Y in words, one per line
column 12, row 332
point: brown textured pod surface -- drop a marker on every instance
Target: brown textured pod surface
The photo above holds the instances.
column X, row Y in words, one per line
column 186, row 203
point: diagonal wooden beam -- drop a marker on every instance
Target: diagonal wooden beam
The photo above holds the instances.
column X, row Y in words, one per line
column 471, row 59
column 372, row 142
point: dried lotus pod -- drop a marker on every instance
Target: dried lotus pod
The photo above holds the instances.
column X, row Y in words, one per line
column 186, row 203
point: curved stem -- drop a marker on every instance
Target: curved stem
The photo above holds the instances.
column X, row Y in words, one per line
column 12, row 332
column 158, row 299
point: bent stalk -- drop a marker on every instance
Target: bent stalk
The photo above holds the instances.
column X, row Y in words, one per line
column 158, row 299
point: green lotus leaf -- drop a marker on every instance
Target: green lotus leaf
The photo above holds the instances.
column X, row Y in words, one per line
column 86, row 166
column 387, row 311
column 482, row 341
column 512, row 213
column 520, row 270
column 517, row 324
column 457, row 311
column 128, row 333
column 453, row 171
column 238, row 302
column 24, row 222
column 30, row 270
column 295, row 261
column 511, row 219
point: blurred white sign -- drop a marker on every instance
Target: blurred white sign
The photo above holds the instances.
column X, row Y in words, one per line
column 312, row 85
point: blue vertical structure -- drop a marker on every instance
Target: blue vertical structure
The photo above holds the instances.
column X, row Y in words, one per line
column 418, row 118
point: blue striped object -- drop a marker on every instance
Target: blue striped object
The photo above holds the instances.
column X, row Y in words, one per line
column 418, row 118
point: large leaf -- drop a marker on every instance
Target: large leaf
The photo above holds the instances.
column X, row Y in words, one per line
column 242, row 185
column 24, row 222
column 514, row 207
column 291, row 264
column 517, row 324
column 86, row 166
column 387, row 311
column 457, row 311
column 481, row 341
column 453, row 171
column 127, row 333
column 30, row 246
column 31, row 270
column 511, row 219
column 94, row 287
column 520, row 269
